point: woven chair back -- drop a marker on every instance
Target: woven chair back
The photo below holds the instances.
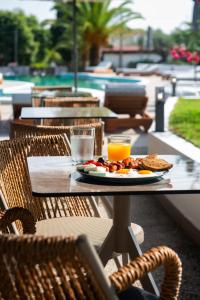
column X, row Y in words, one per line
column 21, row 128
column 71, row 102
column 50, row 268
column 15, row 182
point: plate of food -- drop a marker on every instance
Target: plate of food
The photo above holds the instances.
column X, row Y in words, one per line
column 130, row 170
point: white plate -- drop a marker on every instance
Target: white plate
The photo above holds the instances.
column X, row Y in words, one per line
column 125, row 178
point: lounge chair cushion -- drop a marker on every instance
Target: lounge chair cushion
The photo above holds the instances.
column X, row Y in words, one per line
column 134, row 293
column 125, row 89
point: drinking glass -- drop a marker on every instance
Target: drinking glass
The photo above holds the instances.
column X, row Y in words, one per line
column 82, row 144
column 119, row 147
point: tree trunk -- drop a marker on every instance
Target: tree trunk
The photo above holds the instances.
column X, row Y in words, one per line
column 94, row 55
column 85, row 57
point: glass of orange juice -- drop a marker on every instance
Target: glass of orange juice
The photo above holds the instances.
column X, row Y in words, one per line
column 119, row 147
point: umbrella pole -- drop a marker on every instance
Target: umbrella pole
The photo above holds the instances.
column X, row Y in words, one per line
column 75, row 50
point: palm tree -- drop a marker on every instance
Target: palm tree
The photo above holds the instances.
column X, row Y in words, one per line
column 98, row 21
column 95, row 22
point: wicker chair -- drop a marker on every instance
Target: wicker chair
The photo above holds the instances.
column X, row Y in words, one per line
column 71, row 102
column 127, row 99
column 37, row 101
column 55, row 216
column 35, row 267
column 21, row 128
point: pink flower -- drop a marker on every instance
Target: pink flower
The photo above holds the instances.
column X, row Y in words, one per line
column 189, row 58
column 180, row 52
column 174, row 53
column 196, row 57
column 176, row 56
column 183, row 52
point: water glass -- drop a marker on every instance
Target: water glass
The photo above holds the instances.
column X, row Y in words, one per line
column 82, row 144
column 119, row 147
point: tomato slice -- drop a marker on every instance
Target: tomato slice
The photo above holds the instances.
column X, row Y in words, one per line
column 90, row 162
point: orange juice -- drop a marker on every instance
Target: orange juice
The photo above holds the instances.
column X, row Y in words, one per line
column 119, row 151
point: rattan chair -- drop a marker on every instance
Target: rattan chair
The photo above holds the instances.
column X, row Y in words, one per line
column 37, row 268
column 58, row 215
column 71, row 102
column 21, row 128
column 37, row 92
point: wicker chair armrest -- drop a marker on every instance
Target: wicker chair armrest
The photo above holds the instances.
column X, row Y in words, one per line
column 18, row 213
column 149, row 261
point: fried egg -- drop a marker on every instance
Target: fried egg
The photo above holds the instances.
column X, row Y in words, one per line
column 123, row 171
column 145, row 172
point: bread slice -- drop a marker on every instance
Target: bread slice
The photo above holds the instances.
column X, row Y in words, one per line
column 155, row 164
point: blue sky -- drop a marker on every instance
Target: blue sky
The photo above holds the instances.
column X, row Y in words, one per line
column 164, row 14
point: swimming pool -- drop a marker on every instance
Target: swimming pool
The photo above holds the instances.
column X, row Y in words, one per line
column 85, row 80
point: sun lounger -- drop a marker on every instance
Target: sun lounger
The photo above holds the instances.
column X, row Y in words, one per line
column 143, row 70
column 127, row 99
column 102, row 67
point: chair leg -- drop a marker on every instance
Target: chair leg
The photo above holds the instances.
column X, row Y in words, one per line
column 117, row 262
column 146, row 127
column 121, row 262
column 108, row 205
column 125, row 259
column 95, row 207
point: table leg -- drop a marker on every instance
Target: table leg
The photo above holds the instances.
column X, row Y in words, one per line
column 121, row 238
column 134, row 250
column 107, row 248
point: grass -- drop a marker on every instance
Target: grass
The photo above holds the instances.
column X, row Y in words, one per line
column 185, row 120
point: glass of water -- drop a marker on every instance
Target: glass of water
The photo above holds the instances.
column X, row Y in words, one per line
column 82, row 144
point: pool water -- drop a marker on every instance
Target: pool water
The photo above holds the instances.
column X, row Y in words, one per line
column 85, row 80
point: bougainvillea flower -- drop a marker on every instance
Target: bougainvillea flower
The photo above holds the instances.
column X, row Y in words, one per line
column 182, row 52
column 176, row 56
column 189, row 58
column 196, row 57
column 174, row 53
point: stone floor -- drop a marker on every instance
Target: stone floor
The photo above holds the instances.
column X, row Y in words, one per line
column 160, row 229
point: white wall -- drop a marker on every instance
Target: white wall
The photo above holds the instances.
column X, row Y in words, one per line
column 184, row 208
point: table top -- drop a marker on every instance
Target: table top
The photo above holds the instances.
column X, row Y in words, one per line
column 66, row 112
column 56, row 176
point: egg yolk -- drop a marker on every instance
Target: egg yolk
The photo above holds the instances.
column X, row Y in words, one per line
column 145, row 172
column 123, row 171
